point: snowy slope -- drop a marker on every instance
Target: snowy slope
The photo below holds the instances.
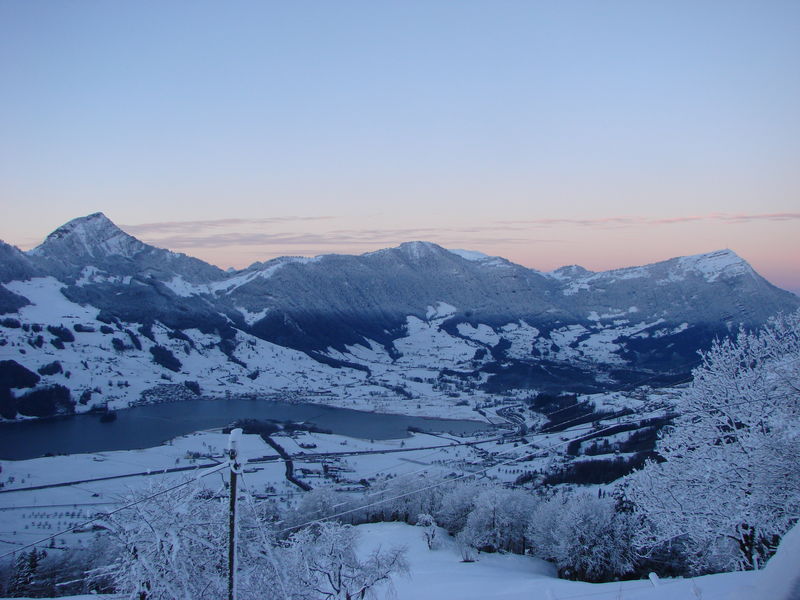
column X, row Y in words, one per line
column 437, row 574
column 118, row 377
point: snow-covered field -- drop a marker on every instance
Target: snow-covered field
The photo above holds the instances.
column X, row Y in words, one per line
column 27, row 516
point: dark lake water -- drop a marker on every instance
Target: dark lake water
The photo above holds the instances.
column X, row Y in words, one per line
column 147, row 426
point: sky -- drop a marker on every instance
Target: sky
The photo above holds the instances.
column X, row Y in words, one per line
column 601, row 133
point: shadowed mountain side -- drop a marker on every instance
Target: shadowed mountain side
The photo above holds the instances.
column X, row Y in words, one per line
column 416, row 306
column 337, row 300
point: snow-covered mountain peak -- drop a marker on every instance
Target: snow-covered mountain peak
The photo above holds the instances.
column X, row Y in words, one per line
column 92, row 235
column 94, row 241
column 714, row 264
column 92, row 294
column 418, row 250
column 570, row 272
column 710, row 266
column 411, row 251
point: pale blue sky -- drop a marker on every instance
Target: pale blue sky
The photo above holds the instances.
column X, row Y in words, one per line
column 487, row 125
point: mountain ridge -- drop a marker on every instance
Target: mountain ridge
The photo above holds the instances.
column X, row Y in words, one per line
column 389, row 319
column 97, row 232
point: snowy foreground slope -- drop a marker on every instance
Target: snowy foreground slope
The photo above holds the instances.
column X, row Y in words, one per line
column 440, row 575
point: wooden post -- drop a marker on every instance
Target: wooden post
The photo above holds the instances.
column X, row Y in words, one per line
column 233, row 451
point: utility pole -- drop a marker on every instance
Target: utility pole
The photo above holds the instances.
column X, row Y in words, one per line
column 233, row 452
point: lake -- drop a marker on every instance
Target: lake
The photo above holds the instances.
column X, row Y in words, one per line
column 152, row 425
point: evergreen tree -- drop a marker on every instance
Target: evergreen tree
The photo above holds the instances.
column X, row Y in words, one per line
column 24, row 579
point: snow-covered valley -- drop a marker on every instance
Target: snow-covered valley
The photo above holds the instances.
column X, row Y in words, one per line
column 579, row 383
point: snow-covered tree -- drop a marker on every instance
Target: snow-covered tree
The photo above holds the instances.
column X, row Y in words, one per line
column 319, row 503
column 499, row 518
column 324, row 565
column 405, row 505
column 173, row 546
column 429, row 530
column 455, row 505
column 585, row 536
column 170, row 547
column 466, row 545
column 729, row 485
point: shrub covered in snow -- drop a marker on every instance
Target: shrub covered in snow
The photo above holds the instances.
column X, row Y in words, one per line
column 585, row 536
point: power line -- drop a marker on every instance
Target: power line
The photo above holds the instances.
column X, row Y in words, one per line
column 68, row 505
column 541, row 433
column 435, row 485
column 108, row 514
column 640, row 414
column 615, row 415
column 450, row 446
column 486, row 469
column 268, row 548
column 74, row 484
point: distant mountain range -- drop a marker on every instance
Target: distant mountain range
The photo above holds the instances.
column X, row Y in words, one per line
column 123, row 320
